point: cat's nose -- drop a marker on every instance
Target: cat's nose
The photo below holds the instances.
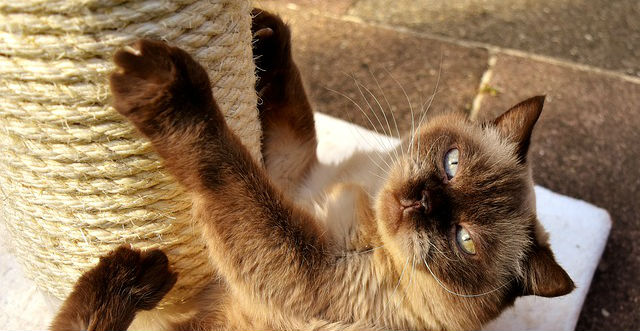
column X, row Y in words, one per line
column 421, row 203
column 425, row 202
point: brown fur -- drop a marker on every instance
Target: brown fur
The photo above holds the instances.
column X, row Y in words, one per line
column 108, row 296
column 289, row 140
column 345, row 254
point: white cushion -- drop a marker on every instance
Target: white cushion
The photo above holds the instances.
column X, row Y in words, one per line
column 578, row 233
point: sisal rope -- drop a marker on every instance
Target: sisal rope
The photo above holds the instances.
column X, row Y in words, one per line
column 76, row 179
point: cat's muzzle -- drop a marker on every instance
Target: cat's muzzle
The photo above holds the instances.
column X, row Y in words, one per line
column 419, row 204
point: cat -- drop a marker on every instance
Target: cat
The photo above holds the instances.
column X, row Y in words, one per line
column 440, row 234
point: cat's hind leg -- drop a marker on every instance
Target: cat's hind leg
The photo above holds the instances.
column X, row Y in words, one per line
column 108, row 296
column 289, row 139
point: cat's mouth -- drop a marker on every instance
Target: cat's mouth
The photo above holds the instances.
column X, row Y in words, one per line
column 406, row 206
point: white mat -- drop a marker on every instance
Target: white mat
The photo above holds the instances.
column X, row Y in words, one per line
column 578, row 234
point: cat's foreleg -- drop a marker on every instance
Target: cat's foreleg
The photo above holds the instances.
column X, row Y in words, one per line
column 108, row 296
column 261, row 243
column 288, row 129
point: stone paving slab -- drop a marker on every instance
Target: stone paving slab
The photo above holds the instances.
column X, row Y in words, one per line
column 600, row 33
column 329, row 52
column 586, row 145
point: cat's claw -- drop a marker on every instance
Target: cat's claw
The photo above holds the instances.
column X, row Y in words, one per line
column 272, row 45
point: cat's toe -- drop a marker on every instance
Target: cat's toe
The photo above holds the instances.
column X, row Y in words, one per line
column 272, row 39
column 156, row 278
column 146, row 60
column 142, row 79
column 139, row 278
column 155, row 84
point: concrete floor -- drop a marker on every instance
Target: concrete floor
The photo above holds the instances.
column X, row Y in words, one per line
column 601, row 33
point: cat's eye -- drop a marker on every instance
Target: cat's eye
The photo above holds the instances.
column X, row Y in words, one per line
column 451, row 162
column 464, row 240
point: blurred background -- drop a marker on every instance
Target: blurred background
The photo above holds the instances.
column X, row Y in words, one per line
column 481, row 57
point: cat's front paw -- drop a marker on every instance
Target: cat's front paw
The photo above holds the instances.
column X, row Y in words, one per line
column 138, row 279
column 272, row 45
column 156, row 85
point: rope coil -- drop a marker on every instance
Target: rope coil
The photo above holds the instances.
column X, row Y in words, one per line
column 76, row 179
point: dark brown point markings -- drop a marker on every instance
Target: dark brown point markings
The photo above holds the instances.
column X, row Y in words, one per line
column 108, row 296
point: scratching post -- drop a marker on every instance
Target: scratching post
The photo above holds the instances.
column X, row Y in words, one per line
column 76, row 179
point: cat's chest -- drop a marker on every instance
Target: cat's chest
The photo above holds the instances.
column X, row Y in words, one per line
column 341, row 197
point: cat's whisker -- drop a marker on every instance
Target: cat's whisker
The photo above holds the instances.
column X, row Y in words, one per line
column 433, row 95
column 423, row 117
column 375, row 174
column 444, row 287
column 418, row 163
column 381, row 168
column 367, row 117
column 440, row 252
column 410, row 147
column 435, row 142
column 393, row 293
column 428, row 104
column 380, row 140
column 359, row 86
column 354, row 253
column 418, row 149
column 377, row 153
column 418, row 138
column 389, row 144
column 393, row 117
column 378, row 165
column 413, row 269
column 373, row 150
column 384, row 115
column 411, row 273
column 373, row 127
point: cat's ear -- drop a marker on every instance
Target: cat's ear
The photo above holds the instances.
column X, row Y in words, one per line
column 544, row 276
column 517, row 123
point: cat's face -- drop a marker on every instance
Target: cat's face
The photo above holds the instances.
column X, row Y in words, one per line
column 459, row 203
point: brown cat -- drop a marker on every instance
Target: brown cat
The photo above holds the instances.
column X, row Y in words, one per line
column 441, row 235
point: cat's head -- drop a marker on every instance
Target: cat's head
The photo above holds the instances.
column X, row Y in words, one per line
column 459, row 210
